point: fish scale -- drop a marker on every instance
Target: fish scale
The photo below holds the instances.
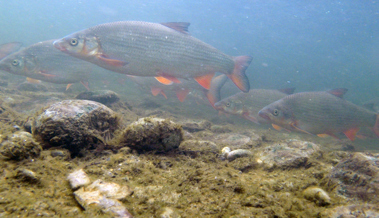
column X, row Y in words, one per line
column 152, row 49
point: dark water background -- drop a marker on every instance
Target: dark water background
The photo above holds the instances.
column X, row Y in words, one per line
column 310, row 45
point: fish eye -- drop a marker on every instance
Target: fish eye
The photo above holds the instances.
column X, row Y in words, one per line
column 15, row 62
column 228, row 104
column 275, row 112
column 74, row 41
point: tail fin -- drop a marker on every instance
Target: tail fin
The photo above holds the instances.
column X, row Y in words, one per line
column 213, row 94
column 376, row 127
column 238, row 76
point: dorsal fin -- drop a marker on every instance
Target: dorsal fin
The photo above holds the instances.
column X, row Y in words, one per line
column 178, row 26
column 338, row 92
column 287, row 91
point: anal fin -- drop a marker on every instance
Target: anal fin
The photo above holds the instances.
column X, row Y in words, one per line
column 350, row 133
column 205, row 80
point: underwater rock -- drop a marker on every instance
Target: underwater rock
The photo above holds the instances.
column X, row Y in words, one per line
column 78, row 179
column 106, row 97
column 150, row 134
column 232, row 140
column 104, row 196
column 230, row 155
column 317, row 195
column 196, row 126
column 19, row 146
column 196, row 145
column 31, row 87
column 357, row 176
column 287, row 154
column 75, row 125
column 220, row 129
column 62, row 154
column 27, row 175
column 352, row 211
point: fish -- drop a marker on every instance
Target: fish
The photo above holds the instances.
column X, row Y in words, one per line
column 320, row 113
column 165, row 51
column 181, row 89
column 42, row 61
column 247, row 105
column 9, row 48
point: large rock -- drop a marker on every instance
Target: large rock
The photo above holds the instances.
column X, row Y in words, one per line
column 151, row 134
column 19, row 146
column 75, row 125
column 356, row 176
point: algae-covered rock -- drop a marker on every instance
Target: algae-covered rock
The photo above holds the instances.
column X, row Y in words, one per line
column 352, row 211
column 151, row 134
column 75, row 125
column 317, row 195
column 103, row 96
column 287, row 154
column 357, row 176
column 196, row 126
column 19, row 146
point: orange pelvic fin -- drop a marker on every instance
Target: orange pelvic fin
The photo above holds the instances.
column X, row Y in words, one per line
column 169, row 77
column 163, row 80
column 205, row 80
column 31, row 80
column 111, row 62
column 376, row 127
column 178, row 26
column 182, row 94
column 68, row 86
column 238, row 76
column 351, row 133
column 324, row 135
column 85, row 84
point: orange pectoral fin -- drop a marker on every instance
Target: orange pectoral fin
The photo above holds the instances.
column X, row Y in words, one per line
column 276, row 127
column 155, row 91
column 205, row 80
column 112, row 62
column 247, row 116
column 34, row 81
column 68, row 86
column 43, row 73
column 351, row 133
column 182, row 94
column 164, row 95
column 163, row 80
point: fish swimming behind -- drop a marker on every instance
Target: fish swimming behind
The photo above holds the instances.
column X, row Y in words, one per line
column 165, row 51
column 8, row 48
column 248, row 104
column 320, row 113
column 41, row 61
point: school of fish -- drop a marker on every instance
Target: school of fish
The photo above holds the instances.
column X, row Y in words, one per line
column 164, row 57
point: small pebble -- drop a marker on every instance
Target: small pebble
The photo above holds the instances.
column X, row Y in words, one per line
column 78, row 179
column 317, row 195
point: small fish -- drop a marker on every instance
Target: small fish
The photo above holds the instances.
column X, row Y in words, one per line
column 8, row 48
column 165, row 51
column 248, row 104
column 42, row 61
column 320, row 113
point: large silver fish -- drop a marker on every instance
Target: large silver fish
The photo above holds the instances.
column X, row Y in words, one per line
column 320, row 113
column 165, row 51
column 42, row 61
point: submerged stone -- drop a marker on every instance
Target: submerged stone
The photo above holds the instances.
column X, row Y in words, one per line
column 19, row 146
column 196, row 126
column 317, row 195
column 287, row 154
column 102, row 96
column 78, row 179
column 151, row 134
column 357, row 176
column 75, row 125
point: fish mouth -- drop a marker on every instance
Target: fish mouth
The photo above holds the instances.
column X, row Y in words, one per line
column 57, row 45
column 217, row 106
column 264, row 115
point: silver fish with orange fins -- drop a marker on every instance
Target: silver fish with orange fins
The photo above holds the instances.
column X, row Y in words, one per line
column 41, row 61
column 320, row 113
column 247, row 105
column 162, row 50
